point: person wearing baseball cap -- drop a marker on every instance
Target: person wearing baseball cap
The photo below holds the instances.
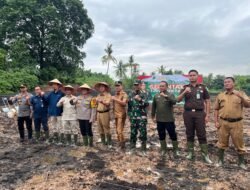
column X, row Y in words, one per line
column 24, row 112
column 120, row 100
column 137, row 112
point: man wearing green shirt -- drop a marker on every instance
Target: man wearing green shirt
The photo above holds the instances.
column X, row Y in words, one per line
column 162, row 113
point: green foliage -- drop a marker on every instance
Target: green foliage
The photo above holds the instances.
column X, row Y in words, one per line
column 162, row 70
column 92, row 78
column 120, row 70
column 133, row 67
column 218, row 82
column 49, row 34
column 243, row 83
column 129, row 82
column 10, row 81
column 3, row 55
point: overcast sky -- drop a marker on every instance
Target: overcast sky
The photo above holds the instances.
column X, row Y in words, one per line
column 212, row 36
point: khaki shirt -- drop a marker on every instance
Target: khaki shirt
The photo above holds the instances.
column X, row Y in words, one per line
column 229, row 105
column 85, row 108
column 120, row 110
column 69, row 111
column 106, row 98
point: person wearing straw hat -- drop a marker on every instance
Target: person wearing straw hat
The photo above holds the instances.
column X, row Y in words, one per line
column 120, row 102
column 103, row 101
column 55, row 112
column 86, row 113
column 24, row 112
column 69, row 121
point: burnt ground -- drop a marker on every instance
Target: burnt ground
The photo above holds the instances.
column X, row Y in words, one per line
column 47, row 167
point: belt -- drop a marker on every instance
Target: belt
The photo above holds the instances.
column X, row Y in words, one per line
column 232, row 119
column 103, row 111
column 194, row 110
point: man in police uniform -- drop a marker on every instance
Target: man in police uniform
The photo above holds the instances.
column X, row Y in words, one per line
column 120, row 100
column 103, row 101
column 24, row 112
column 229, row 120
column 137, row 112
column 196, row 114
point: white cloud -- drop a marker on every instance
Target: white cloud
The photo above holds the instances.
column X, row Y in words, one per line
column 211, row 36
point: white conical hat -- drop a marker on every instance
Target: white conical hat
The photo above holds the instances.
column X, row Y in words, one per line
column 56, row 81
column 97, row 85
column 69, row 86
column 86, row 86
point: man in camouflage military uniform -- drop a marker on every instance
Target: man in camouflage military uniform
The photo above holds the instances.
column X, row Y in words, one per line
column 137, row 105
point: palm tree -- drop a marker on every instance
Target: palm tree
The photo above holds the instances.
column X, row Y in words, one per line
column 120, row 70
column 106, row 59
column 132, row 65
column 161, row 70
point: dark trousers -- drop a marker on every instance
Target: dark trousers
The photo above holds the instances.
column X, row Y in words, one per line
column 28, row 122
column 41, row 121
column 195, row 122
column 86, row 128
column 162, row 127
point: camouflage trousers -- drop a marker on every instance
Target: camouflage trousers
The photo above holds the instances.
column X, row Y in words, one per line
column 70, row 127
column 55, row 124
column 138, row 125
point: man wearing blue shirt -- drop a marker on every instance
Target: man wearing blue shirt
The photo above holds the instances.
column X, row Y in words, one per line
column 55, row 112
column 40, row 112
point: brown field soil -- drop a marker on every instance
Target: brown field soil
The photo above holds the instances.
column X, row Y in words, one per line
column 49, row 167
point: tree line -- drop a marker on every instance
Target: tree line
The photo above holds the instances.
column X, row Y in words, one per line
column 41, row 40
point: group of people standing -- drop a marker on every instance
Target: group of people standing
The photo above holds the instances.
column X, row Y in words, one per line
column 71, row 115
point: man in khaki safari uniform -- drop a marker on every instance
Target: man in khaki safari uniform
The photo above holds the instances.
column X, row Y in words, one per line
column 229, row 120
column 69, row 119
column 103, row 101
column 120, row 101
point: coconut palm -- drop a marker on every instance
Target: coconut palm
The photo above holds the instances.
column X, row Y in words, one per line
column 132, row 66
column 161, row 70
column 120, row 70
column 108, row 58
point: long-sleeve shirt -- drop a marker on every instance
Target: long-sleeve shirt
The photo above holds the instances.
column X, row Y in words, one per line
column 85, row 108
column 137, row 109
column 24, row 108
column 69, row 110
column 39, row 106
column 53, row 98
column 162, row 107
